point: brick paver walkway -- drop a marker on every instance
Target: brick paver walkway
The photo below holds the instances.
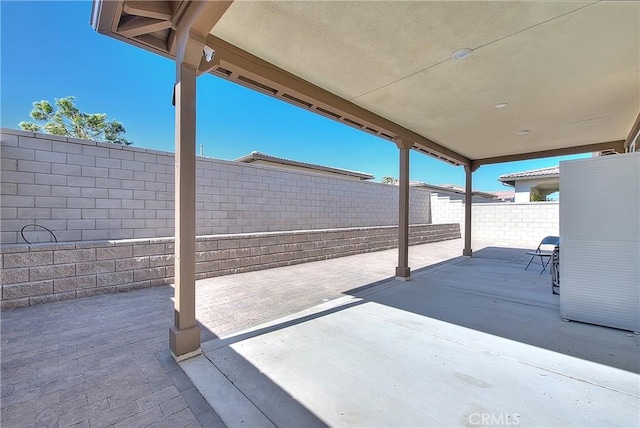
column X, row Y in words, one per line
column 104, row 360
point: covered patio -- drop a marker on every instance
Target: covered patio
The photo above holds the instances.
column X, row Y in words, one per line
column 476, row 341
column 426, row 334
column 469, row 83
column 471, row 342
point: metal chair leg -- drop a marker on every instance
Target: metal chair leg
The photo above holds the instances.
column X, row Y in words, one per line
column 544, row 265
column 530, row 260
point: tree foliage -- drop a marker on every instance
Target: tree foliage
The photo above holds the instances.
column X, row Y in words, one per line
column 536, row 197
column 68, row 121
column 389, row 180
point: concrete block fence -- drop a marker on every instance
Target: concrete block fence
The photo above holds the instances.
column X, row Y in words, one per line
column 43, row 273
column 84, row 191
column 516, row 223
column 509, row 223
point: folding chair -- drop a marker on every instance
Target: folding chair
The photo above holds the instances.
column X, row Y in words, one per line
column 544, row 251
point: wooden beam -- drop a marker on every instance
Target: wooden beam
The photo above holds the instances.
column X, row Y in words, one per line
column 192, row 28
column 587, row 148
column 149, row 9
column 403, row 271
column 171, row 43
column 206, row 66
column 468, row 204
column 242, row 63
column 153, row 41
column 137, row 25
column 184, row 335
column 634, row 133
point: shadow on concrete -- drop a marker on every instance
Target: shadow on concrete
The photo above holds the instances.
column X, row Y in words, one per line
column 234, row 375
column 492, row 293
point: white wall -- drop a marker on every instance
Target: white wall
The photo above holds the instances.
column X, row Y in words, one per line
column 523, row 191
column 84, row 190
column 523, row 224
column 542, row 186
column 600, row 240
column 512, row 223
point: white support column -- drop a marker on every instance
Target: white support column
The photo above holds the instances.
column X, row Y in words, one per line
column 403, row 271
column 468, row 202
column 184, row 336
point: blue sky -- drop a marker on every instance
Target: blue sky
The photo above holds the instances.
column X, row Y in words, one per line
column 49, row 50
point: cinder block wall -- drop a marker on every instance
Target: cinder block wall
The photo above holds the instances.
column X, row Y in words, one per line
column 446, row 210
column 43, row 273
column 83, row 190
column 516, row 223
column 510, row 223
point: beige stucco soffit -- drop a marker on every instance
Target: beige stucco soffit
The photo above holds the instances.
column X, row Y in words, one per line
column 239, row 66
column 618, row 146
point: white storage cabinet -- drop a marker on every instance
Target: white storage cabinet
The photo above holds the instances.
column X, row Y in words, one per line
column 600, row 240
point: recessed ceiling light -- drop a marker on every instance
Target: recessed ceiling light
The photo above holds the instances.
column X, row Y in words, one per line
column 522, row 132
column 461, row 53
column 501, row 105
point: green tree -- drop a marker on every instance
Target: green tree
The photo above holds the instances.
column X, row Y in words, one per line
column 536, row 197
column 68, row 121
column 389, row 180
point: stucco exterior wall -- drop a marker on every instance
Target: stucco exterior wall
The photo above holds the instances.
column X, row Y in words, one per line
column 542, row 186
column 523, row 191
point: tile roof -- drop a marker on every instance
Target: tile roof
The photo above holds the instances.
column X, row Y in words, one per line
column 452, row 188
column 534, row 173
column 255, row 156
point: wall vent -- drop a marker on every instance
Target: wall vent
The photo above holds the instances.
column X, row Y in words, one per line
column 608, row 152
column 258, row 85
column 328, row 113
column 222, row 71
column 297, row 100
column 352, row 122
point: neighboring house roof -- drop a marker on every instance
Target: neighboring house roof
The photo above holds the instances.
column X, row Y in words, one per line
column 451, row 188
column 257, row 156
column 510, row 179
column 505, row 194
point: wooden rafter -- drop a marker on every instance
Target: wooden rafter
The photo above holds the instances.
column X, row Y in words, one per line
column 618, row 146
column 134, row 26
column 149, row 9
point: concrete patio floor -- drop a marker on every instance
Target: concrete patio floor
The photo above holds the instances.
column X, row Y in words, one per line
column 471, row 342
column 104, row 360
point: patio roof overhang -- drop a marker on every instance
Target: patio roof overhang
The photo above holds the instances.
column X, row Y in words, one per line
column 471, row 83
column 568, row 71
